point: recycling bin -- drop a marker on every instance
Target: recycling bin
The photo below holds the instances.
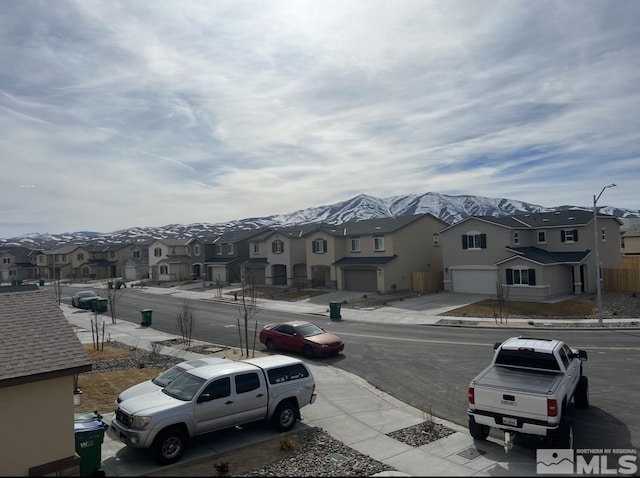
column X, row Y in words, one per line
column 110, row 285
column 41, row 282
column 99, row 305
column 146, row 317
column 334, row 310
column 89, row 434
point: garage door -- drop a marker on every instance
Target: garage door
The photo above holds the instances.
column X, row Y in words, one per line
column 361, row 280
column 475, row 281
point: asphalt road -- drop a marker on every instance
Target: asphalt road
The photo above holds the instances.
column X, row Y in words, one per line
column 430, row 367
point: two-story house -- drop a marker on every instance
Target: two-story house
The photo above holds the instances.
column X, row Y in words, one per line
column 200, row 250
column 231, row 251
column 278, row 256
column 169, row 260
column 533, row 256
column 631, row 239
column 63, row 262
column 17, row 263
column 374, row 255
column 136, row 266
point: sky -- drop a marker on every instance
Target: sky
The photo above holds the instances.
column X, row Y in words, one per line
column 118, row 114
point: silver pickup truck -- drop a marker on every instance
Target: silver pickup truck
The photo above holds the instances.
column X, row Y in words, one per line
column 212, row 397
column 526, row 390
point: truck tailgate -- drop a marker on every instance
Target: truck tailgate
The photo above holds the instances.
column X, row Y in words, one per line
column 515, row 392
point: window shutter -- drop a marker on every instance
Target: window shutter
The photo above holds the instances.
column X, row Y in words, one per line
column 483, row 241
column 465, row 241
column 575, row 235
column 510, row 276
column 532, row 277
column 314, row 246
column 273, row 247
column 324, row 245
column 562, row 237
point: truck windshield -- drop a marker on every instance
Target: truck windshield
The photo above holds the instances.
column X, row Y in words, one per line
column 527, row 359
column 184, row 387
column 168, row 376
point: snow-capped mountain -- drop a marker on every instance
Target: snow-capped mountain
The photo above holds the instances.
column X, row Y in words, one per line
column 450, row 209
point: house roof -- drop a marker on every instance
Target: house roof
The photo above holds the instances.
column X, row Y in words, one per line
column 174, row 242
column 239, row 235
column 257, row 261
column 634, row 231
column 540, row 220
column 220, row 261
column 37, row 342
column 352, row 261
column 373, row 226
column 545, row 257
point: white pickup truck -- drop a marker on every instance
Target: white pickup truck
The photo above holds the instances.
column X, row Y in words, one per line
column 213, row 397
column 527, row 389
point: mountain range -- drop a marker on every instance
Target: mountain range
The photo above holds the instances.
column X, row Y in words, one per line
column 450, row 209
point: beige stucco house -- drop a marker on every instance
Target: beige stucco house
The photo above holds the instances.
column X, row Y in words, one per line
column 533, row 256
column 169, row 260
column 374, row 255
column 39, row 356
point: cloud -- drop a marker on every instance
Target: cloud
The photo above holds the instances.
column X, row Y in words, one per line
column 134, row 113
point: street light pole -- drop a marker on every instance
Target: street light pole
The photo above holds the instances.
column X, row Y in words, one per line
column 597, row 242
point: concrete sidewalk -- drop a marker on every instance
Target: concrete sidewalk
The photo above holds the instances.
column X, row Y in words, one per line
column 348, row 408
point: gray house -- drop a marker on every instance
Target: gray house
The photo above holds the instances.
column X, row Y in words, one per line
column 231, row 251
column 534, row 256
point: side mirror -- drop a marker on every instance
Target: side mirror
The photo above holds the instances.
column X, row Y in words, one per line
column 205, row 397
column 496, row 345
column 582, row 355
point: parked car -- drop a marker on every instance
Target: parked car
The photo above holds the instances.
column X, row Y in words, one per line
column 83, row 299
column 166, row 377
column 301, row 337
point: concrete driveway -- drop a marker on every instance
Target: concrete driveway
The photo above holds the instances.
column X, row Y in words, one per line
column 440, row 302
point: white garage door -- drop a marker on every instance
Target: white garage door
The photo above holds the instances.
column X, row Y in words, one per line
column 475, row 281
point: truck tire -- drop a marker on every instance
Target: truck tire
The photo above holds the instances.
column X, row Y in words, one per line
column 285, row 416
column 169, row 445
column 564, row 436
column 581, row 395
column 477, row 431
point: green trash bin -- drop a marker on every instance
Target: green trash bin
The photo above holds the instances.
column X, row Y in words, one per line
column 41, row 282
column 146, row 317
column 89, row 434
column 99, row 305
column 334, row 310
column 110, row 285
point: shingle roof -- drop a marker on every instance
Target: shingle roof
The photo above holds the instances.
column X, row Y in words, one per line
column 352, row 261
column 239, row 235
column 372, row 226
column 545, row 257
column 36, row 341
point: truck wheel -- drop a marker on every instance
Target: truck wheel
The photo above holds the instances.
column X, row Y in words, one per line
column 284, row 417
column 169, row 445
column 477, row 431
column 581, row 395
column 307, row 351
column 564, row 436
column 270, row 345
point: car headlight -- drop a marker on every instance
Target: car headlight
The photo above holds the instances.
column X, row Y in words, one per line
column 140, row 422
column 324, row 346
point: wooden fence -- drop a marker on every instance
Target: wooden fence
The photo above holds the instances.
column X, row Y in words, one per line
column 631, row 262
column 426, row 282
column 621, row 280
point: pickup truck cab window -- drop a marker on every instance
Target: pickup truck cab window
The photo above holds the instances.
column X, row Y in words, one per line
column 247, row 382
column 218, row 388
column 565, row 358
column 527, row 359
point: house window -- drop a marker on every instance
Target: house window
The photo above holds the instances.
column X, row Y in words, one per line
column 6, row 260
column 80, row 256
column 41, row 259
column 164, row 269
column 319, row 246
column 85, row 271
column 355, row 244
column 474, row 240
column 277, row 247
column 218, row 249
column 64, row 258
column 516, row 238
column 378, row 243
column 436, row 239
column 255, row 247
column 230, row 248
column 157, row 252
column 603, row 235
column 521, row 276
column 569, row 235
column 196, row 250
column 542, row 237
column 112, row 254
column 136, row 254
column 188, row 250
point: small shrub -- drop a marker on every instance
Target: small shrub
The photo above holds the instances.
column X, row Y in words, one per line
column 365, row 296
column 141, row 365
column 287, row 443
column 222, row 468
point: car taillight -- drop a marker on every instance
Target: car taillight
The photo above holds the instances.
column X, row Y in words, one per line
column 471, row 397
column 552, row 407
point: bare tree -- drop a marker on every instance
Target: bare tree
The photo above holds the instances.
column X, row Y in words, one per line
column 113, row 294
column 186, row 319
column 502, row 295
column 248, row 307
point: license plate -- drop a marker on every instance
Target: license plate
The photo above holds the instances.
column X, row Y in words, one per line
column 512, row 422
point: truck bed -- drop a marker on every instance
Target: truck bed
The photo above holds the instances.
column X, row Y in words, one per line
column 518, row 380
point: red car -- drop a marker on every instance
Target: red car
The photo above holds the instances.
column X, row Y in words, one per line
column 301, row 337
